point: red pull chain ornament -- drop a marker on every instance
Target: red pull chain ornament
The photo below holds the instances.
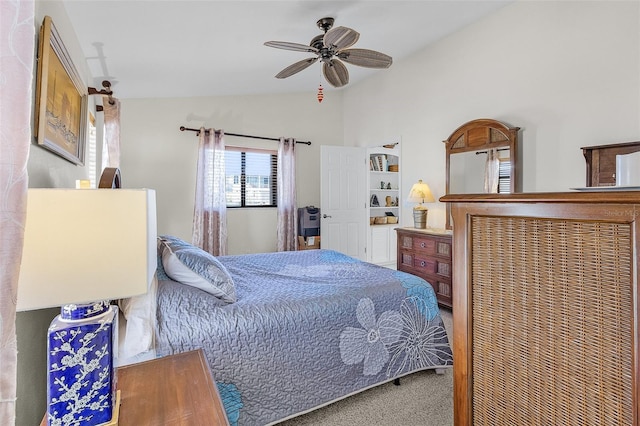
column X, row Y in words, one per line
column 320, row 95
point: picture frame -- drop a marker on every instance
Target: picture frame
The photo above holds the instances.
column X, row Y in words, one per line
column 61, row 98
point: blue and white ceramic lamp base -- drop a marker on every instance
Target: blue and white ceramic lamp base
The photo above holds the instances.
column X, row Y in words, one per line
column 81, row 378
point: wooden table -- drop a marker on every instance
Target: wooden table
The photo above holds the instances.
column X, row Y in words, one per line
column 173, row 390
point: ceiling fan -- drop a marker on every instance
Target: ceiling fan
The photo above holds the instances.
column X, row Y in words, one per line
column 331, row 48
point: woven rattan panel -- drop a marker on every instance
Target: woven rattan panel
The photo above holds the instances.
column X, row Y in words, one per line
column 552, row 322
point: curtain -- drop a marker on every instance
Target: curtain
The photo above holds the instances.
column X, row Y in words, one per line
column 287, row 211
column 491, row 171
column 17, row 38
column 111, row 146
column 210, row 209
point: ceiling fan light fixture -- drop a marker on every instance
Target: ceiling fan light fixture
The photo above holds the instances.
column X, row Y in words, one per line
column 330, row 48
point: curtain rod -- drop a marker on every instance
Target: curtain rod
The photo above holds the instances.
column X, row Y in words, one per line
column 499, row 149
column 182, row 129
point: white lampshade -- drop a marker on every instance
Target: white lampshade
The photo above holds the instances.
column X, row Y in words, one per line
column 83, row 245
column 420, row 193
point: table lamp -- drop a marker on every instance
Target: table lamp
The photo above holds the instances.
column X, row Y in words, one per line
column 420, row 193
column 83, row 248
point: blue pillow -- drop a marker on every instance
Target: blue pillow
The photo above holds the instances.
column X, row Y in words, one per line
column 190, row 265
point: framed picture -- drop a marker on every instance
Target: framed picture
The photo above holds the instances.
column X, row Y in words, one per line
column 61, row 98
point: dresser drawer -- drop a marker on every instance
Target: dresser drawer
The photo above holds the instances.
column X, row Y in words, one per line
column 426, row 245
column 427, row 255
column 426, row 265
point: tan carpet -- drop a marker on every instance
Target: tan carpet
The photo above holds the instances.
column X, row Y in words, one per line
column 422, row 399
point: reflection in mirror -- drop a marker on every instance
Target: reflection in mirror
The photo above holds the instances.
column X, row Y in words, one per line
column 468, row 172
column 464, row 172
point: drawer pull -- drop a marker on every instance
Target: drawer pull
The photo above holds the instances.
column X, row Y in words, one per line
column 423, row 263
column 423, row 245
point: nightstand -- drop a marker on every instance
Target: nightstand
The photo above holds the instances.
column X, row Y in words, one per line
column 427, row 254
column 172, row 390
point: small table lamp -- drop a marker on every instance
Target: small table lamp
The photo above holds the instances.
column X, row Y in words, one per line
column 420, row 193
column 83, row 248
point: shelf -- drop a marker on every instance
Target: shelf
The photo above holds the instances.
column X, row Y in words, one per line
column 384, row 185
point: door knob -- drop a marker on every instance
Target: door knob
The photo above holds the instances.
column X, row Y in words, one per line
column 324, row 216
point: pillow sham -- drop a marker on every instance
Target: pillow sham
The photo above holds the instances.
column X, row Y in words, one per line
column 140, row 315
column 193, row 266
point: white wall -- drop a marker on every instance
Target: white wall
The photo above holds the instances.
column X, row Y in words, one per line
column 566, row 73
column 155, row 154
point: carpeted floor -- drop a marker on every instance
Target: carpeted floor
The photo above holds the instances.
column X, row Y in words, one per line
column 422, row 399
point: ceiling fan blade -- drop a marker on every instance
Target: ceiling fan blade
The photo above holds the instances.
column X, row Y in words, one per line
column 291, row 46
column 365, row 58
column 296, row 67
column 341, row 37
column 335, row 73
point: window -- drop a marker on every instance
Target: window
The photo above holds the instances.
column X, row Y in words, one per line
column 504, row 176
column 251, row 177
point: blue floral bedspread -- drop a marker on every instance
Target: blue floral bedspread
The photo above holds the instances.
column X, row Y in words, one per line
column 309, row 327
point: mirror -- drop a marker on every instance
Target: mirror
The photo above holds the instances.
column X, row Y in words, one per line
column 467, row 149
column 467, row 171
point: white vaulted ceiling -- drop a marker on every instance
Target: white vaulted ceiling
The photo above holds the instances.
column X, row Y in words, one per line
column 215, row 48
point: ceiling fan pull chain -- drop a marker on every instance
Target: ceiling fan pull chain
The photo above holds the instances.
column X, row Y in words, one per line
column 320, row 95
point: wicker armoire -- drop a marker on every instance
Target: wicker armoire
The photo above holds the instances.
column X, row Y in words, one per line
column 546, row 308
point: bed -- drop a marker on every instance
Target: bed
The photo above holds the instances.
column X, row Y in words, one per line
column 285, row 333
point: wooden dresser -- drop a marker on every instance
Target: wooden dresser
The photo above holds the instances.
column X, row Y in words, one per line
column 427, row 254
column 601, row 161
column 546, row 308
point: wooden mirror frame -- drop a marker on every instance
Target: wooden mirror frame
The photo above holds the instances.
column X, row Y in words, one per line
column 482, row 134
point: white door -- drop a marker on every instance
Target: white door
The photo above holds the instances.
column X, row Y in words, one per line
column 343, row 200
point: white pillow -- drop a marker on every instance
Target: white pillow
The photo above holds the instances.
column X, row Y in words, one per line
column 140, row 314
column 193, row 266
